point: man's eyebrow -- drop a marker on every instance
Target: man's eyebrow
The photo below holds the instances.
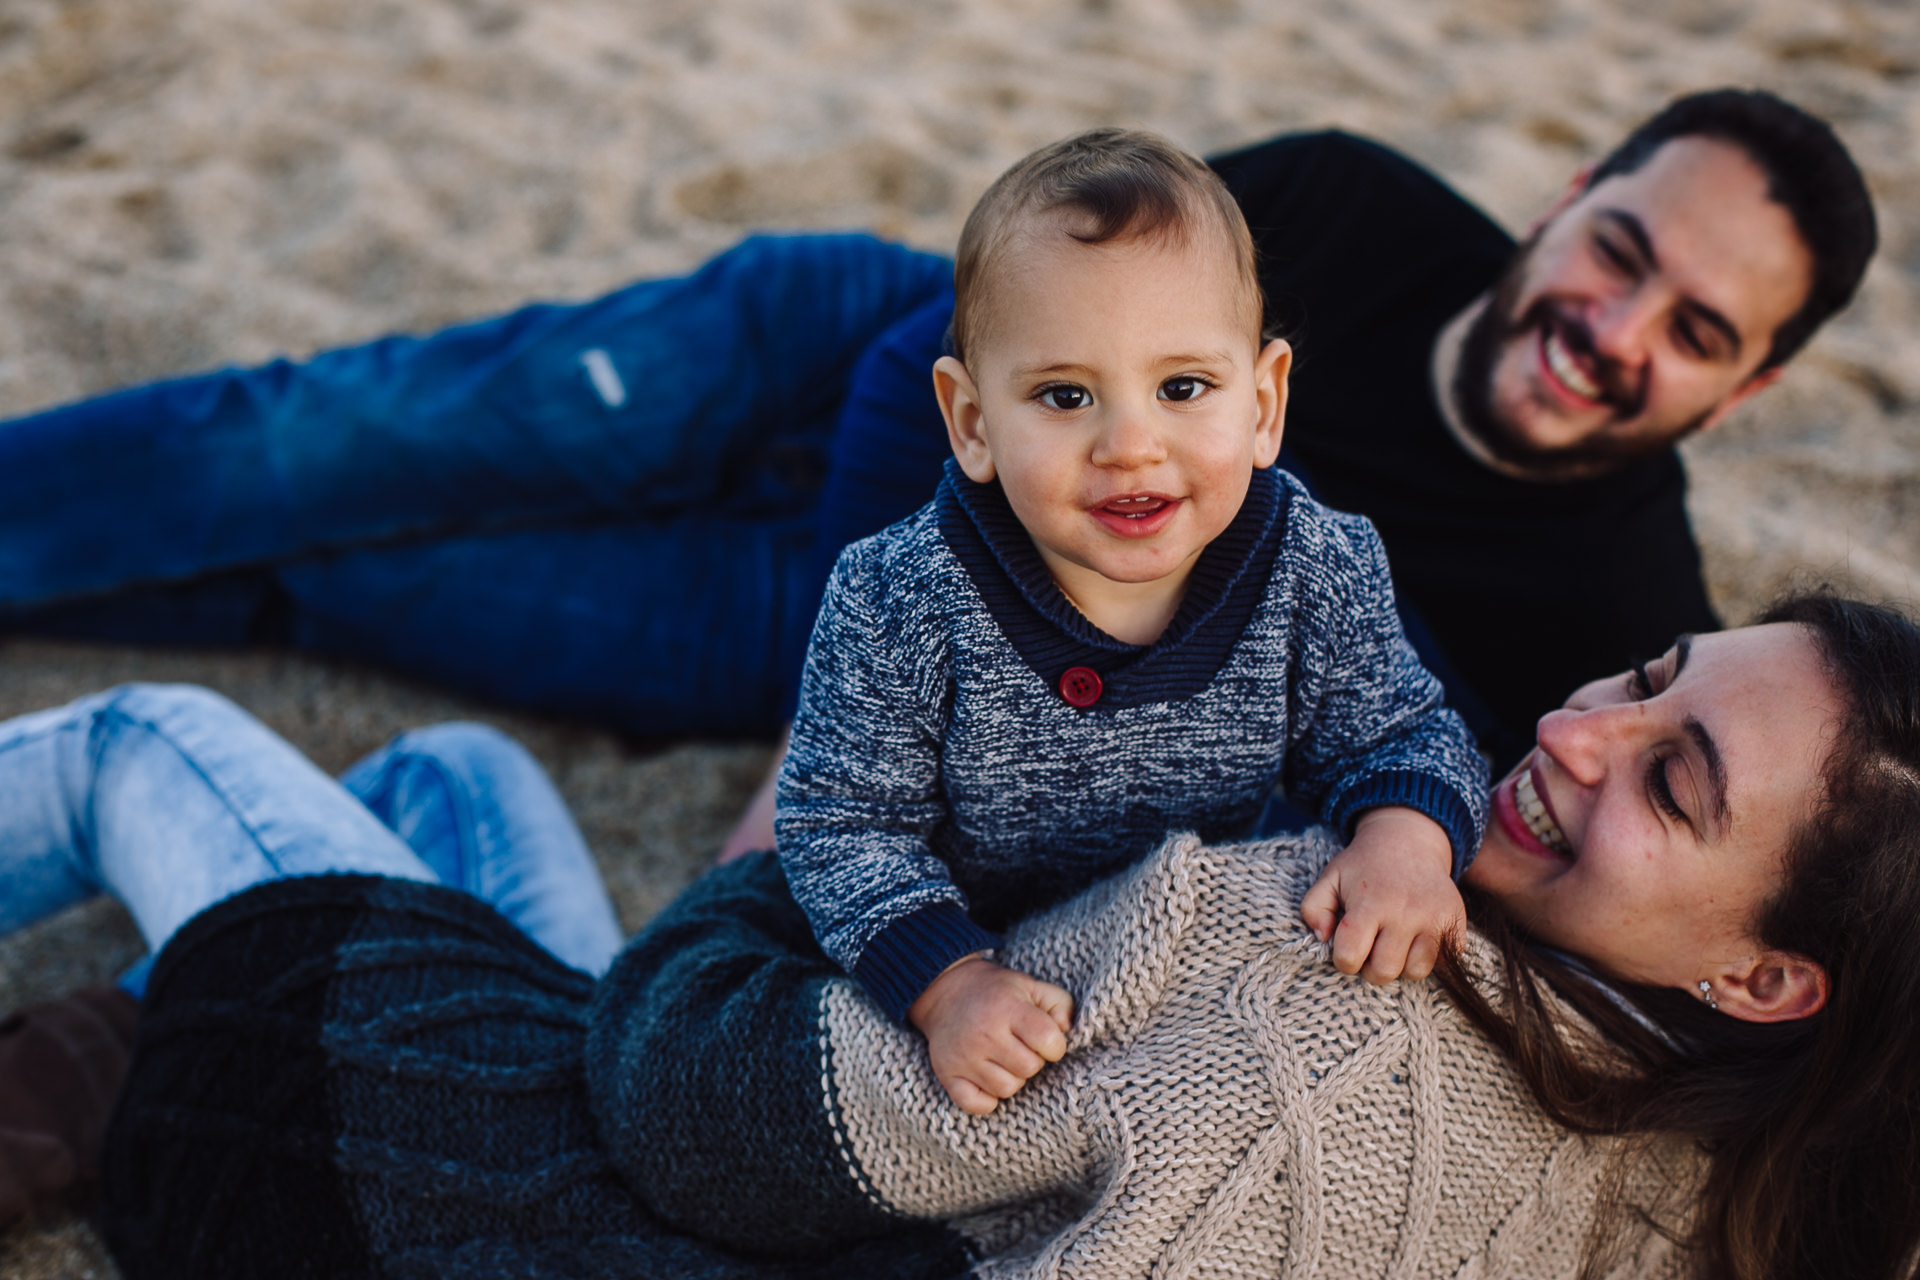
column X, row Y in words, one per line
column 1630, row 226
column 1716, row 771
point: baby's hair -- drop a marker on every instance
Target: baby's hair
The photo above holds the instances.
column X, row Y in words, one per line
column 1099, row 186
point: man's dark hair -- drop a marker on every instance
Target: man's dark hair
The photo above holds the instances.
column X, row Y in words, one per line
column 1809, row 174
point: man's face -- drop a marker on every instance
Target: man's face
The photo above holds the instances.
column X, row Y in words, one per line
column 1638, row 312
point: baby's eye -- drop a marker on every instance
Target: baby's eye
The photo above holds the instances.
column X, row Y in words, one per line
column 1185, row 387
column 1064, row 396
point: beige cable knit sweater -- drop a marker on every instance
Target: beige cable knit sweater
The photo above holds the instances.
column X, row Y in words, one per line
column 1233, row 1105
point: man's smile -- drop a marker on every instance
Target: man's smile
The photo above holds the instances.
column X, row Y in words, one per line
column 1574, row 371
column 1563, row 368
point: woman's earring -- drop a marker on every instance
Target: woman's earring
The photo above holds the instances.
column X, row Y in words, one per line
column 1706, row 993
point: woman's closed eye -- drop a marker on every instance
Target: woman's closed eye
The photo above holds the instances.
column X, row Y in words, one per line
column 1660, row 790
column 1640, row 687
column 1640, row 683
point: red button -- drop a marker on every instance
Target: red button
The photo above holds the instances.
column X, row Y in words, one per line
column 1080, row 686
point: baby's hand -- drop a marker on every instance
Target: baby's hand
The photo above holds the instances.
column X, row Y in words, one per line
column 989, row 1030
column 1388, row 899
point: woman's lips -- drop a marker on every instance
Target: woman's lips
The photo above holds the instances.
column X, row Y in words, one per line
column 1136, row 515
column 1506, row 811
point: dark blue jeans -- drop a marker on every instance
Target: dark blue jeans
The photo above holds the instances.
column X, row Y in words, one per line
column 602, row 509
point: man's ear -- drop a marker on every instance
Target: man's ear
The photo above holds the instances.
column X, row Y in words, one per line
column 1773, row 986
column 1270, row 370
column 1751, row 387
column 1573, row 191
column 960, row 406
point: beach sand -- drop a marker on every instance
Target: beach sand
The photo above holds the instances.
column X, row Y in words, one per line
column 186, row 183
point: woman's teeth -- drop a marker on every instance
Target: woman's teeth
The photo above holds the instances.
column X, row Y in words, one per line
column 1565, row 368
column 1535, row 815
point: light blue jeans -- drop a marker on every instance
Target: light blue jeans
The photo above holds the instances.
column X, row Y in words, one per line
column 171, row 798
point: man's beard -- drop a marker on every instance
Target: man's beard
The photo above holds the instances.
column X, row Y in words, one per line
column 1490, row 334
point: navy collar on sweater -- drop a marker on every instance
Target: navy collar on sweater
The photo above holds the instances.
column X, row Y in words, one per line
column 1051, row 636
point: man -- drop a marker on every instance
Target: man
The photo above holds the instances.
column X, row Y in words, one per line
column 1506, row 414
column 616, row 510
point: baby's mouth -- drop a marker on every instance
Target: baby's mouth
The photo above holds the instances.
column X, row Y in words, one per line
column 1534, row 813
column 1138, row 508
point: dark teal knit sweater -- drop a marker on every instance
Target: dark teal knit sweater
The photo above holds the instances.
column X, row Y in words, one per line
column 348, row 1077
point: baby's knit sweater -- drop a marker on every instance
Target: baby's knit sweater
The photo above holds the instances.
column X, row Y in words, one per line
column 942, row 782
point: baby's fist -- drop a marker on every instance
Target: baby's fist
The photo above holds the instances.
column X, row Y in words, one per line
column 1387, row 902
column 989, row 1030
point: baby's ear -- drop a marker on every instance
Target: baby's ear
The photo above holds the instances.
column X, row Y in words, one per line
column 1270, row 370
column 960, row 406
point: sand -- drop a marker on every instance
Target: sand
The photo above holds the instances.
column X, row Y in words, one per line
column 190, row 182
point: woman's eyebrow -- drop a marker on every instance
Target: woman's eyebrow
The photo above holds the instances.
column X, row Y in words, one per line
column 1716, row 771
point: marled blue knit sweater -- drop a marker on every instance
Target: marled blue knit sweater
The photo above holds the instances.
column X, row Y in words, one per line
column 940, row 784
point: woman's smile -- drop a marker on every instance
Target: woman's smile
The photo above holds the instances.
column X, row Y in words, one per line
column 1521, row 809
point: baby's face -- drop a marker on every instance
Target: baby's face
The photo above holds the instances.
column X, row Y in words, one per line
column 1124, row 401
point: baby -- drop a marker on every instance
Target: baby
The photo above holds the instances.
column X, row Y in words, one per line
column 1115, row 620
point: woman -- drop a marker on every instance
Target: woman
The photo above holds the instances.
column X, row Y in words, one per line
column 1712, row 856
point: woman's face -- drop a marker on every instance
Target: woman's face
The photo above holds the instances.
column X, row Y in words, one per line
column 1649, row 824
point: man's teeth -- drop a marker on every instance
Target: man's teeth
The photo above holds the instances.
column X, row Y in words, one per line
column 1564, row 367
column 1535, row 815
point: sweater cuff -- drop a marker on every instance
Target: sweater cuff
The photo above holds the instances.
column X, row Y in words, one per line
column 1419, row 791
column 903, row 959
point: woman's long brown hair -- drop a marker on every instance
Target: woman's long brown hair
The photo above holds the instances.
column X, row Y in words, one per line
column 1810, row 1129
